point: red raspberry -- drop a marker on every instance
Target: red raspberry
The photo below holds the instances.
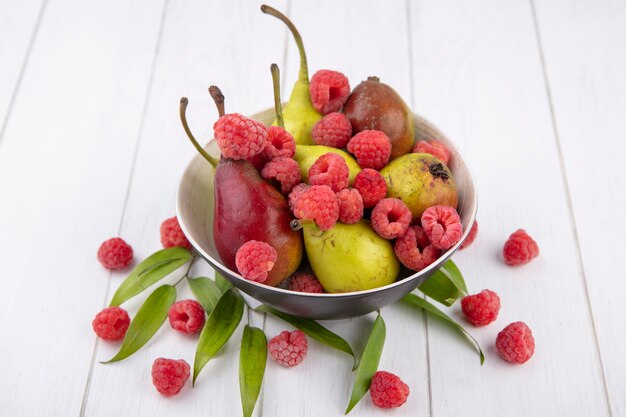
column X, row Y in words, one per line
column 390, row 218
column 388, row 390
column 443, row 226
column 421, row 237
column 333, row 130
column 115, row 253
column 255, row 259
column 371, row 185
column 279, row 143
column 285, row 170
column 111, row 324
column 258, row 161
column 434, row 148
column 295, row 194
column 371, row 148
column 350, row 206
column 288, row 349
column 516, row 343
column 239, row 137
column 470, row 236
column 430, row 254
column 409, row 251
column 329, row 90
column 520, row 248
column 186, row 316
column 482, row 308
column 305, row 282
column 169, row 375
column 330, row 169
column 318, row 203
column 172, row 235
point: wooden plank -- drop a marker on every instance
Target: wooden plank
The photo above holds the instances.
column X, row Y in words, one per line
column 213, row 42
column 478, row 76
column 18, row 26
column 64, row 166
column 372, row 41
column 585, row 61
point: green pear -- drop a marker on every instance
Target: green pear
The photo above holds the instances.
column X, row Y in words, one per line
column 420, row 180
column 299, row 114
column 307, row 155
column 350, row 257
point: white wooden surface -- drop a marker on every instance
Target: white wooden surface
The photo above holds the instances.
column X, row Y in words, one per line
column 532, row 91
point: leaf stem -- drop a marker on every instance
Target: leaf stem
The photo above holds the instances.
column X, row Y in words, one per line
column 187, row 271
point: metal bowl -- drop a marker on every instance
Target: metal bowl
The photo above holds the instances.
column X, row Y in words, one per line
column 195, row 208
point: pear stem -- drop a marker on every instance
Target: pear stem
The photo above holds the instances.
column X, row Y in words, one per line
column 277, row 104
column 218, row 98
column 183, row 119
column 304, row 69
column 297, row 224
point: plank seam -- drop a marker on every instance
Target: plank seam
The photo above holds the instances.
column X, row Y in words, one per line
column 87, row 390
column 18, row 83
column 570, row 207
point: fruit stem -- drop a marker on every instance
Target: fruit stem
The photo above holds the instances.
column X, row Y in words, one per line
column 218, row 98
column 183, row 119
column 297, row 224
column 304, row 69
column 277, row 104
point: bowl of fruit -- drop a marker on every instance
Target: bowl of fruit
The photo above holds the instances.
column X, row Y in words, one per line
column 333, row 205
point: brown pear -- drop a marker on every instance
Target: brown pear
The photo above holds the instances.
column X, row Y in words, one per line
column 373, row 105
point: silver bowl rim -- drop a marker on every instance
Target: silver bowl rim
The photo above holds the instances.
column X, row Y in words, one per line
column 435, row 265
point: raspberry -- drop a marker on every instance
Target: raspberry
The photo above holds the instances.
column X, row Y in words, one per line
column 409, row 251
column 115, row 253
column 430, row 254
column 421, row 237
column 172, row 235
column 329, row 90
column 279, row 143
column 470, row 236
column 330, row 169
column 318, row 203
column 516, row 343
column 371, row 148
column 186, row 316
column 371, row 185
column 305, row 282
column 239, row 137
column 350, row 206
column 111, row 324
column 443, row 226
column 288, row 349
column 434, row 148
column 391, row 218
column 169, row 375
column 333, row 130
column 255, row 259
column 295, row 194
column 285, row 170
column 258, row 161
column 388, row 390
column 482, row 308
column 520, row 248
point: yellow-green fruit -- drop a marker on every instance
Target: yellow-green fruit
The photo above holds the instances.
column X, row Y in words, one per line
column 299, row 115
column 307, row 155
column 350, row 257
column 420, row 180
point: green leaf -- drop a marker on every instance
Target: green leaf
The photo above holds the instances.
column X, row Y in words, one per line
column 206, row 292
column 368, row 365
column 454, row 274
column 147, row 321
column 312, row 329
column 419, row 302
column 152, row 269
column 222, row 283
column 439, row 287
column 252, row 360
column 218, row 328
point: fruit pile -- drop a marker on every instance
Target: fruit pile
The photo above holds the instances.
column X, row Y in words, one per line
column 338, row 175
